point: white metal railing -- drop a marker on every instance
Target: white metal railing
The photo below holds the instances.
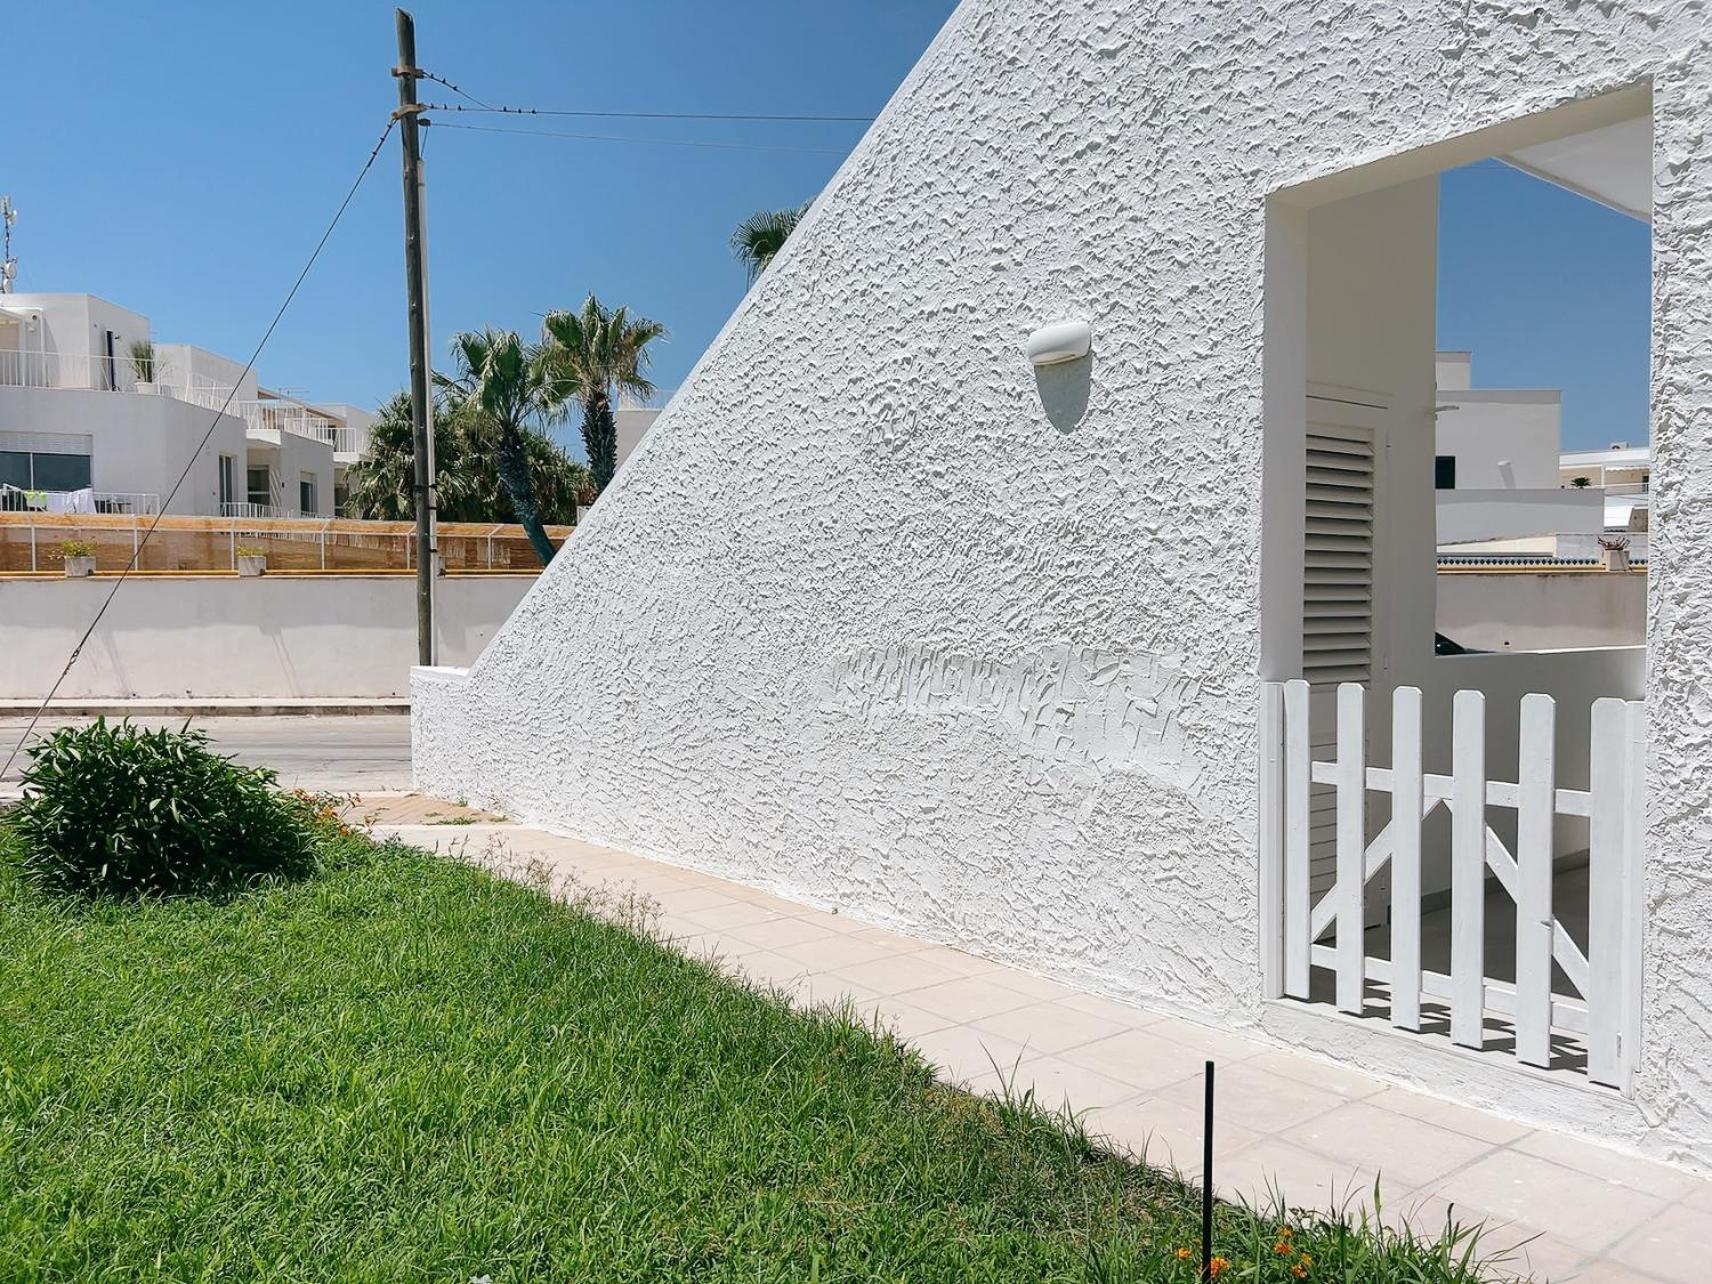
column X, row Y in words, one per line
column 16, row 499
column 1601, row 1015
column 20, row 369
column 234, row 509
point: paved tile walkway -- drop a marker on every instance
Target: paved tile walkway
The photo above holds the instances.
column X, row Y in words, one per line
column 1287, row 1121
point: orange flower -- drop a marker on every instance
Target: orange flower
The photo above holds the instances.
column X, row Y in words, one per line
column 1183, row 1255
column 1299, row 1271
column 1306, row 1260
column 1284, row 1232
column 1282, row 1249
column 1217, row 1266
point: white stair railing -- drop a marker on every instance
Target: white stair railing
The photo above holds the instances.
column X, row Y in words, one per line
column 1603, row 1012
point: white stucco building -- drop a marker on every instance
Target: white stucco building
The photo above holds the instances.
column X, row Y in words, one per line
column 78, row 412
column 1084, row 667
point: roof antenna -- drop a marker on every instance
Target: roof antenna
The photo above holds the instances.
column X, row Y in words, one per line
column 8, row 264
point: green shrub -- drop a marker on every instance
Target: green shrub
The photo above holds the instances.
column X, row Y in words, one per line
column 125, row 811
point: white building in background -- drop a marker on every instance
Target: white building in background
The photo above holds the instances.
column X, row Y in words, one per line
column 83, row 410
column 1622, row 473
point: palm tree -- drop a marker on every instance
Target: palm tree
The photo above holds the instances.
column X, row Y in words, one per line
column 383, row 481
column 505, row 382
column 762, row 235
column 594, row 354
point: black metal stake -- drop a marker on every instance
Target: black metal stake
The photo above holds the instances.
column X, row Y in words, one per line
column 1207, row 1182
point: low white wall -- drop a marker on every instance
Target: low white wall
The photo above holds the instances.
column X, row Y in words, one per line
column 1507, row 514
column 204, row 637
column 1511, row 610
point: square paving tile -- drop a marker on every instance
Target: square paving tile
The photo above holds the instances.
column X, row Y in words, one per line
column 1050, row 1026
column 1352, row 1085
column 1401, row 1149
column 1141, row 1057
column 732, row 914
column 1258, row 1099
column 1447, row 1114
column 1612, row 1165
column 1578, row 1208
column 968, row 998
column 963, row 1053
column 1257, row 1172
column 826, row 953
column 907, row 1021
column 899, row 974
column 1676, row 1246
column 1167, row 1134
column 775, row 933
column 1057, row 1082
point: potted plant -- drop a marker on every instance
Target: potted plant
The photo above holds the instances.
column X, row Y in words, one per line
column 79, row 555
column 252, row 560
column 142, row 354
column 1580, row 483
column 1616, row 551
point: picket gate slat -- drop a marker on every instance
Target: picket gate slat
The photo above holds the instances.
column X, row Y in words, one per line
column 1468, row 869
column 1606, row 831
column 1634, row 893
column 1406, row 808
column 1351, row 844
column 1271, row 794
column 1296, row 839
column 1537, row 770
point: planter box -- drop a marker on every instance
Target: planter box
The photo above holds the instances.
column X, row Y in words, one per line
column 78, row 567
column 251, row 564
column 1616, row 559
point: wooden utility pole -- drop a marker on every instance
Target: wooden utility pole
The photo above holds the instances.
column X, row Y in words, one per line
column 416, row 283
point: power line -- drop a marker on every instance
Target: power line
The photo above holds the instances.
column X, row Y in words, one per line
column 651, row 115
column 461, row 92
column 137, row 551
column 655, row 142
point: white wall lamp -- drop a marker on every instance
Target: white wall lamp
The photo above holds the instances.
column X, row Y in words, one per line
column 1059, row 342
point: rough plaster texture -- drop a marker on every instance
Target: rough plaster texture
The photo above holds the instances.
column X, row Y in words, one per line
column 977, row 652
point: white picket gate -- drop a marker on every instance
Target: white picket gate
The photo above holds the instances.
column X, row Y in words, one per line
column 1602, row 1015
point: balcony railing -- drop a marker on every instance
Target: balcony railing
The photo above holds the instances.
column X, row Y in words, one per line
column 16, row 499
column 67, row 370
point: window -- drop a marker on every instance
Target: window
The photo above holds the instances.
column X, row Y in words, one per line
column 43, row 470
column 258, row 486
column 1444, row 472
column 306, row 495
column 228, row 480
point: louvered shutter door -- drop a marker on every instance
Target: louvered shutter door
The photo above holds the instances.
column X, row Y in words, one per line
column 1337, row 591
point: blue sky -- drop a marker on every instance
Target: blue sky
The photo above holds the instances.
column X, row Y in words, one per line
column 181, row 159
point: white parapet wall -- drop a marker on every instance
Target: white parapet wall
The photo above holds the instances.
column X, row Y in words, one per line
column 217, row 636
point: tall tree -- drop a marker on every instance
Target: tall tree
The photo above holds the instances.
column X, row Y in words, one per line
column 594, row 354
column 506, row 384
column 762, row 235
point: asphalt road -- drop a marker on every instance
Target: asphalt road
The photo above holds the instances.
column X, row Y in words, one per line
column 363, row 754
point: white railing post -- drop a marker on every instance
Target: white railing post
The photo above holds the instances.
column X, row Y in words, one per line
column 1468, row 870
column 1351, row 845
column 1271, row 869
column 1406, row 807
column 1634, row 893
column 1536, row 813
column 1606, row 830
column 1297, row 755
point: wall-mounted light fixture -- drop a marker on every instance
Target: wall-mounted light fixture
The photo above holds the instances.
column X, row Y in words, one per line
column 1060, row 341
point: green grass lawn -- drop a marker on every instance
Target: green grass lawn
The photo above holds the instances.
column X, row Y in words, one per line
column 404, row 1069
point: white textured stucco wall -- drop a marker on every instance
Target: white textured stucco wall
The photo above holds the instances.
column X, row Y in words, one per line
column 977, row 652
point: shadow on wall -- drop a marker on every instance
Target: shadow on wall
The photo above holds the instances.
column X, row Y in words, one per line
column 1064, row 391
